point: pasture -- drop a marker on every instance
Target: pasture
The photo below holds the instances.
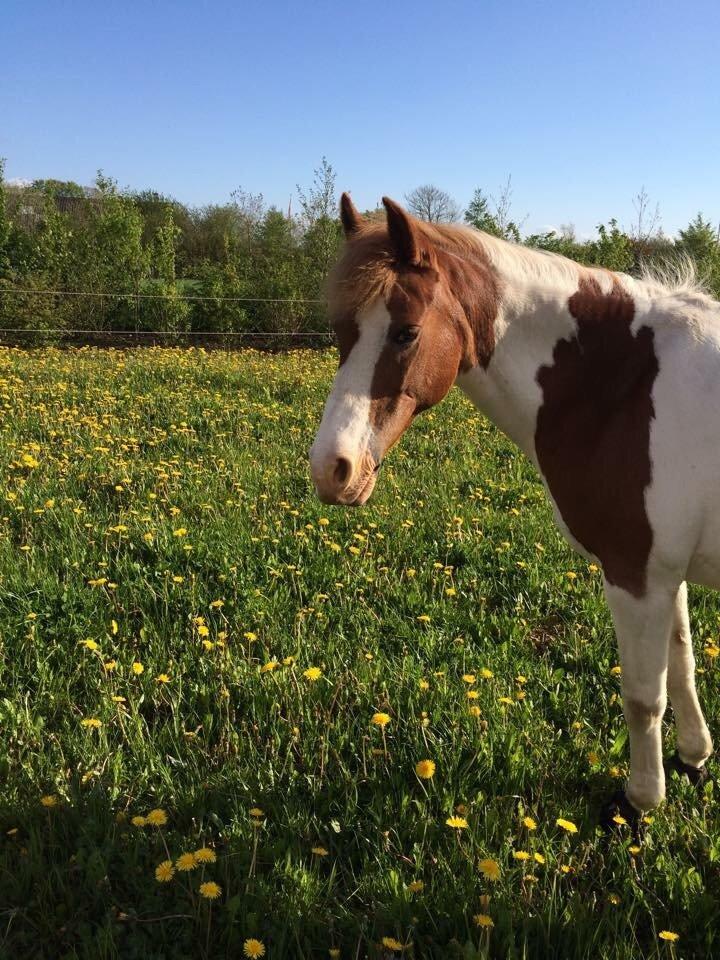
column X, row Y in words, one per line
column 198, row 656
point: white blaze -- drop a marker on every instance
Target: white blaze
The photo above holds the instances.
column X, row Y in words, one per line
column 345, row 430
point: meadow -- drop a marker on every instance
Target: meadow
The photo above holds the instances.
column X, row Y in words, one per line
column 238, row 723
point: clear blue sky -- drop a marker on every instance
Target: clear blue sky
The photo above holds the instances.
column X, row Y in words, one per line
column 583, row 102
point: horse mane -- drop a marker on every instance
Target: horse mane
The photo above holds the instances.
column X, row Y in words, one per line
column 366, row 268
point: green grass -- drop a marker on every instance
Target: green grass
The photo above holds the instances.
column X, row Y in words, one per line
column 107, row 458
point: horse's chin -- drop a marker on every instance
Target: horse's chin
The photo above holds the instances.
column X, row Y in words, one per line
column 365, row 492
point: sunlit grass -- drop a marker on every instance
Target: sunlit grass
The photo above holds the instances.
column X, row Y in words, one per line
column 234, row 717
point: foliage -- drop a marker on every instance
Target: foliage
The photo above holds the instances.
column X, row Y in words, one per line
column 136, row 257
column 169, row 579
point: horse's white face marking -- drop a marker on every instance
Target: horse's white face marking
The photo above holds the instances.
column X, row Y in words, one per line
column 344, row 454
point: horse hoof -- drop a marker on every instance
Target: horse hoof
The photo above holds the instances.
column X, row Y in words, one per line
column 619, row 810
column 697, row 776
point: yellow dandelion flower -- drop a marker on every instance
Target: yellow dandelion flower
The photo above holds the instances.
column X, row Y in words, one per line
column 469, row 678
column 417, row 886
column 157, row 817
column 89, row 644
column 669, row 935
column 380, row 719
column 521, row 855
column 425, row 769
column 137, row 668
column 139, row 821
column 253, row 948
column 162, row 678
column 320, row 851
column 49, row 800
column 91, row 722
column 164, row 872
column 474, row 710
column 269, row 666
column 529, row 823
column 486, row 674
column 185, row 862
column 390, row 943
column 211, row 890
column 256, row 812
column 424, row 685
column 490, row 869
column 566, row 825
column 483, row 920
column 312, row 674
column 634, row 849
column 538, row 858
column 205, row 855
column 472, row 695
column 614, row 899
column 457, row 823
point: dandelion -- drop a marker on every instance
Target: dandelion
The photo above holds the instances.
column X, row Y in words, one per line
column 89, row 644
column 157, row 818
column 469, row 678
column 162, row 678
column 269, row 666
column 312, row 674
column 137, row 668
column 529, row 823
column 390, row 943
column 139, row 821
column 180, row 532
column 620, row 820
column 457, row 823
column 490, row 869
column 521, row 855
column 211, row 890
column 186, row 862
column 164, row 872
column 425, row 769
column 616, row 671
column 669, row 935
column 205, row 855
column 91, row 722
column 538, row 858
column 417, row 886
column 566, row 825
column 254, row 948
column 486, row 674
column 483, row 920
column 256, row 812
column 424, row 685
column 320, row 851
column 614, row 899
column 634, row 850
column 49, row 800
column 381, row 719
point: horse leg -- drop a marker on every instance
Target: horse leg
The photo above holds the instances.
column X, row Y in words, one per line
column 643, row 626
column 694, row 745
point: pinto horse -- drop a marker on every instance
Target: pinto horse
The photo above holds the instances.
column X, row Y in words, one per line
column 609, row 384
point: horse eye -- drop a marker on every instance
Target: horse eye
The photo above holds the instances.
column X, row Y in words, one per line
column 404, row 336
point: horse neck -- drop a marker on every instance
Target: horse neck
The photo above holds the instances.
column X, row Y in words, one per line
column 533, row 316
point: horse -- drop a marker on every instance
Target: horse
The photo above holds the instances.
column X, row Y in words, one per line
column 609, row 384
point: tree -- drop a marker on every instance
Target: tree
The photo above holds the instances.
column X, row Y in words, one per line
column 4, row 224
column 478, row 214
column 701, row 241
column 318, row 201
column 613, row 248
column 430, row 203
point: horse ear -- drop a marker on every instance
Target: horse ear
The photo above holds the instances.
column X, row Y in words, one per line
column 409, row 244
column 349, row 216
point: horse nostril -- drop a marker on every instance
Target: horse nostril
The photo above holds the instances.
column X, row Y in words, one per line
column 343, row 469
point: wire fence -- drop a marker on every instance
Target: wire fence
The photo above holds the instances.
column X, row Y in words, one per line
column 19, row 335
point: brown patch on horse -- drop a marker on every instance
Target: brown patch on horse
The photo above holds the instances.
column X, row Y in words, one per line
column 592, row 435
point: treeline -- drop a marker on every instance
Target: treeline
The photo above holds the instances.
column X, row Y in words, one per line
column 143, row 261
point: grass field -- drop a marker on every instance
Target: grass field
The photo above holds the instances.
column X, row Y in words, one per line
column 184, row 629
